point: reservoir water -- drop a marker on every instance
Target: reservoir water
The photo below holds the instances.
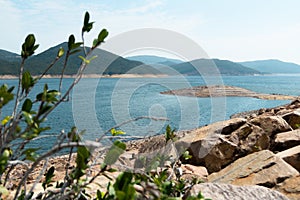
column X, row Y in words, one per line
column 99, row 104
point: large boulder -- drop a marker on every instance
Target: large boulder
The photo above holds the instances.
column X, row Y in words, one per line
column 260, row 168
column 232, row 192
column 209, row 145
column 290, row 187
column 293, row 118
column 250, row 138
column 291, row 156
column 271, row 124
column 286, row 140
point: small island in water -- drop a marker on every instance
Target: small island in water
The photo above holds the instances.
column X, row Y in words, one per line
column 224, row 90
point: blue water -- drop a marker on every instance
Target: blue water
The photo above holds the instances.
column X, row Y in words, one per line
column 98, row 104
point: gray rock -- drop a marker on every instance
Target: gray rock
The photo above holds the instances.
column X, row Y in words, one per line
column 218, row 191
column 260, row 168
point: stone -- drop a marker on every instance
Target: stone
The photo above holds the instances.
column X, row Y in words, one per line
column 250, row 138
column 271, row 124
column 290, row 188
column 286, row 140
column 190, row 172
column 291, row 156
column 293, row 118
column 232, row 192
column 208, row 145
column 260, row 168
column 214, row 151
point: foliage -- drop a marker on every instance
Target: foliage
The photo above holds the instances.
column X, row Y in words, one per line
column 26, row 124
column 170, row 134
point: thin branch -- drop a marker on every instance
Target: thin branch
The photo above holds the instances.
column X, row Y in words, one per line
column 55, row 149
column 129, row 121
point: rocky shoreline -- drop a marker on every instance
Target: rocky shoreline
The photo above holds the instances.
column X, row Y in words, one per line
column 225, row 91
column 251, row 156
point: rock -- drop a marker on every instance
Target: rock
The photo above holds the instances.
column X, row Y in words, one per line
column 286, row 140
column 291, row 156
column 290, row 187
column 232, row 192
column 250, row 138
column 293, row 118
column 208, row 145
column 213, row 151
column 260, row 168
column 190, row 172
column 271, row 124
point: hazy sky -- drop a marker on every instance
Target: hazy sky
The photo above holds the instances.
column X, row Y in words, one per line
column 227, row 29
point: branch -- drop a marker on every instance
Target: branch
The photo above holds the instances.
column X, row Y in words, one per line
column 129, row 121
column 55, row 149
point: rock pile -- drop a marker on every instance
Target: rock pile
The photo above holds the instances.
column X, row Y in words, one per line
column 261, row 149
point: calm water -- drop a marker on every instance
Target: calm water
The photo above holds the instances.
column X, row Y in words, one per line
column 98, row 104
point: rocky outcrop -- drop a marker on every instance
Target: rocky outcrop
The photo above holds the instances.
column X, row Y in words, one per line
column 224, row 90
column 231, row 192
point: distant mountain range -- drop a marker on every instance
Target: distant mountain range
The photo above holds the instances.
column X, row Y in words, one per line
column 109, row 63
column 272, row 66
column 150, row 60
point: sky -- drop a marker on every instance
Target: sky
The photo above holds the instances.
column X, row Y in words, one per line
column 226, row 29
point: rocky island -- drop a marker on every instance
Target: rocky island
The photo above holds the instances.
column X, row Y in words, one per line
column 224, row 90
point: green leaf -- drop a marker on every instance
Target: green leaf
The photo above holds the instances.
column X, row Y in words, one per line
column 115, row 132
column 102, row 35
column 27, row 82
column 86, row 18
column 28, row 47
column 30, row 154
column 48, row 177
column 5, row 120
column 84, row 60
column 5, row 95
column 28, row 117
column 27, row 105
column 114, row 152
column 60, row 52
column 71, row 41
column 30, row 40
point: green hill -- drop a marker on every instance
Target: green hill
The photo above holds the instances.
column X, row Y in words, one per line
column 105, row 63
column 213, row 67
column 273, row 66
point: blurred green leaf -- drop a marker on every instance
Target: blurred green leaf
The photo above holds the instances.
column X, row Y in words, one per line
column 115, row 132
column 114, row 152
column 28, row 117
column 60, row 52
column 5, row 95
column 27, row 105
column 27, row 82
column 28, row 47
column 102, row 35
column 30, row 154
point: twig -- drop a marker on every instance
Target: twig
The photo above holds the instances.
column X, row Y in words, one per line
column 132, row 120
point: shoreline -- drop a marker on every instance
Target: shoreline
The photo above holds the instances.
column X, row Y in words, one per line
column 94, row 76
